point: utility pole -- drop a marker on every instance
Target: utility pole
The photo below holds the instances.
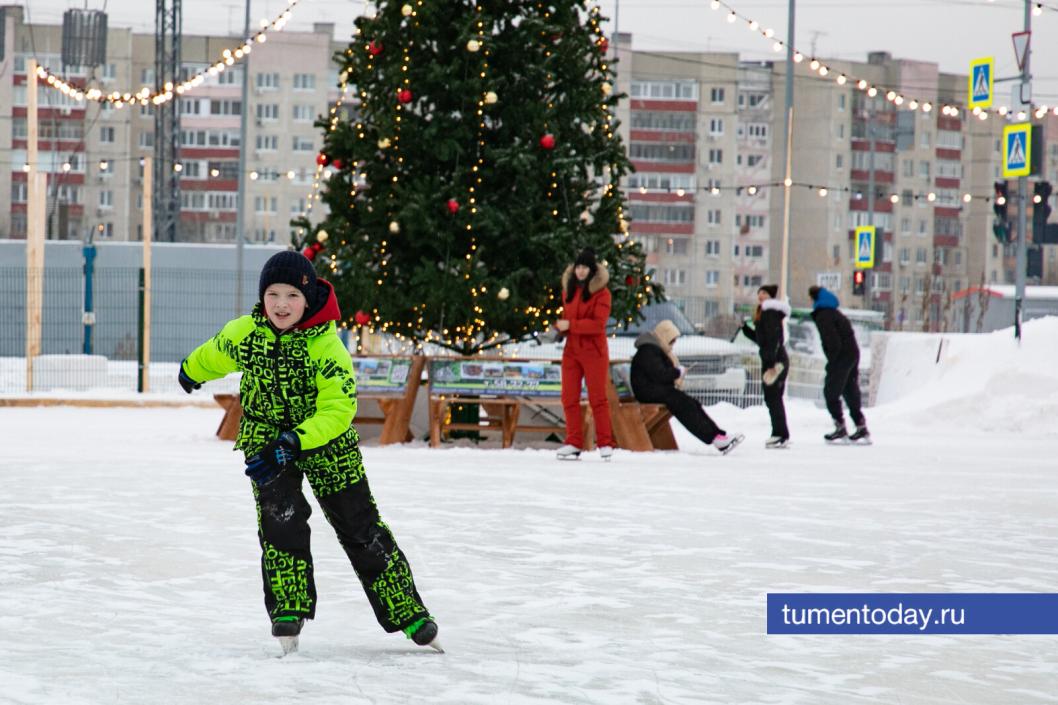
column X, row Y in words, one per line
column 871, row 137
column 1023, row 192
column 784, row 274
column 240, row 222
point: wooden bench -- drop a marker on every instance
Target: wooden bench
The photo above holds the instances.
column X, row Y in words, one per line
column 500, row 388
column 393, row 382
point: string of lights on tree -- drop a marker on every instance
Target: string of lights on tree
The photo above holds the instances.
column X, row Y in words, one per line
column 897, row 98
column 145, row 96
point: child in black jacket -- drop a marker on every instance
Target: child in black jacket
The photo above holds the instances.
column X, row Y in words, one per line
column 767, row 333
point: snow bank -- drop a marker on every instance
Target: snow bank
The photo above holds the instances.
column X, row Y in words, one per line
column 981, row 382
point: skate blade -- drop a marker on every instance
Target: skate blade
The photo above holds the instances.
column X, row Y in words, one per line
column 732, row 445
column 569, row 457
column 289, row 644
column 861, row 442
column 436, row 646
column 780, row 446
column 839, row 442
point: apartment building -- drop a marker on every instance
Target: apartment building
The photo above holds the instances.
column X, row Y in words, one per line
column 92, row 151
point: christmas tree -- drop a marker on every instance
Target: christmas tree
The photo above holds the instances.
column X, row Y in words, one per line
column 479, row 156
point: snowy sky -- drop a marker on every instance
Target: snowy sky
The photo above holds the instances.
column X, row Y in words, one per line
column 919, row 29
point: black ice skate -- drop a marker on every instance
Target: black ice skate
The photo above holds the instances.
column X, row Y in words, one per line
column 839, row 436
column 862, row 436
column 287, row 629
column 424, row 633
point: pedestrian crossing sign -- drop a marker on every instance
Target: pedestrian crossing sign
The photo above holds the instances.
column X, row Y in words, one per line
column 1017, row 150
column 865, row 235
column 982, row 82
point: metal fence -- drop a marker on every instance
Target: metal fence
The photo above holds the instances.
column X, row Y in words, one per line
column 188, row 306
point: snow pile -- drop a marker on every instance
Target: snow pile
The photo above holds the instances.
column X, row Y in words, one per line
column 980, row 382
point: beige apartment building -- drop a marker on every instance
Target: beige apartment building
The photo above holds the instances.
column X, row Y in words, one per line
column 92, row 151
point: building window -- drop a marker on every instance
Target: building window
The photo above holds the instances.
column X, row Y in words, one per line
column 712, row 248
column 267, row 112
column 839, row 161
column 267, row 81
column 676, row 246
column 920, row 255
column 267, row 143
column 716, row 127
column 106, row 135
column 662, row 213
column 841, row 102
column 266, row 205
column 716, row 156
column 716, row 96
column 304, row 82
column 672, row 121
column 654, row 152
column 712, row 278
column 304, row 113
column 923, row 170
column 757, row 131
column 677, row 90
column 712, row 217
column 303, row 144
column 225, row 107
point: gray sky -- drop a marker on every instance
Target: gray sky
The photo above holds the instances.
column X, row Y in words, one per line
column 949, row 32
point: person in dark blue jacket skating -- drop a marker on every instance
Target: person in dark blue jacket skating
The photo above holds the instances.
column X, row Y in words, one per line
column 843, row 367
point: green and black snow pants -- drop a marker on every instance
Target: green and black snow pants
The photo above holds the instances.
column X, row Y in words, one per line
column 336, row 476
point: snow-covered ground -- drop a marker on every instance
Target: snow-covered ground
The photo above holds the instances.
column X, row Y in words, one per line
column 131, row 574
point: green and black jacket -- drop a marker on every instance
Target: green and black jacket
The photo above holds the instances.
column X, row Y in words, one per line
column 299, row 381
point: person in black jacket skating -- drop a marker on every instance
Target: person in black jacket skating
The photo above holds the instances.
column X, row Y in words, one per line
column 767, row 333
column 843, row 366
column 656, row 375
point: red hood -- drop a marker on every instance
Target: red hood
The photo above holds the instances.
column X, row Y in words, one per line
column 327, row 312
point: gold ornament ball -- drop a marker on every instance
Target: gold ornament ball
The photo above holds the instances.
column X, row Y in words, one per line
column 322, row 236
column 491, row 97
column 383, row 143
column 407, row 10
column 394, row 227
column 624, row 225
column 607, row 88
column 503, row 294
column 473, row 45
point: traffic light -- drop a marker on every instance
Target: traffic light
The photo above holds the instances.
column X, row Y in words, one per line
column 859, row 278
column 1041, row 210
column 1001, row 225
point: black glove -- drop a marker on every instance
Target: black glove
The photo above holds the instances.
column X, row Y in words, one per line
column 186, row 383
column 274, row 459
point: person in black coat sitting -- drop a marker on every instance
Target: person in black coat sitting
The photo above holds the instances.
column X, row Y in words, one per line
column 843, row 366
column 656, row 374
column 767, row 333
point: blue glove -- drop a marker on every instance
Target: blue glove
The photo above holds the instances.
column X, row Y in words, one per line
column 186, row 383
column 274, row 459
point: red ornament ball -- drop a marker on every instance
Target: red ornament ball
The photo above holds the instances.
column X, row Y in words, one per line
column 630, row 280
column 547, row 141
column 322, row 159
column 604, row 44
column 453, row 206
column 312, row 250
column 374, row 48
column 362, row 318
column 337, row 164
column 404, row 95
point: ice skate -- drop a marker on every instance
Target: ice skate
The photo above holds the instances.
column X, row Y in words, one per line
column 568, row 452
column 287, row 629
column 862, row 437
column 605, row 452
column 839, row 436
column 725, row 443
column 424, row 633
column 777, row 443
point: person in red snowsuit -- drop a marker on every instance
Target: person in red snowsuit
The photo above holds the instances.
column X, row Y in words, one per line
column 585, row 311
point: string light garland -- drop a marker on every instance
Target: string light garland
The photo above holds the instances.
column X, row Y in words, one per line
column 948, row 108
column 822, row 190
column 145, row 96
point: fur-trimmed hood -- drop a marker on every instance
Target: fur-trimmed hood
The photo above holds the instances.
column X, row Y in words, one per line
column 597, row 283
column 779, row 305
